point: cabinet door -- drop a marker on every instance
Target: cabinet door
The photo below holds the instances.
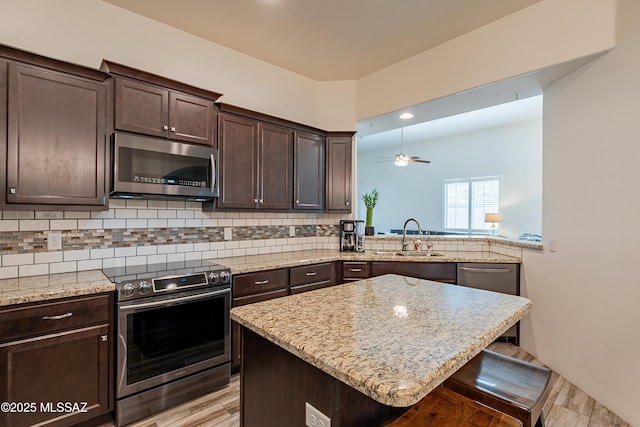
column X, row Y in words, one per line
column 141, row 108
column 274, row 168
column 71, row 367
column 238, row 156
column 56, row 138
column 190, row 118
column 339, row 174
column 309, row 171
column 437, row 271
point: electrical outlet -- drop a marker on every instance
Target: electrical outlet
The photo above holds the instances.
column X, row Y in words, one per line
column 228, row 233
column 315, row 418
column 292, row 231
column 54, row 241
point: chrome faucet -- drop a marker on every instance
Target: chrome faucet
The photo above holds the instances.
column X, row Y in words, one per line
column 404, row 232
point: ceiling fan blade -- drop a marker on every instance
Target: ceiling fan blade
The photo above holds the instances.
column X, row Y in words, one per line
column 416, row 160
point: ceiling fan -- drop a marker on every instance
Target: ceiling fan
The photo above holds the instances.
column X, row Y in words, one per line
column 401, row 159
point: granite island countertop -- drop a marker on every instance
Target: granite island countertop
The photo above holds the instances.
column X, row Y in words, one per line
column 390, row 337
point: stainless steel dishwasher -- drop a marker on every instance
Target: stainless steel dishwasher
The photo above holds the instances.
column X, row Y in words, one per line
column 504, row 278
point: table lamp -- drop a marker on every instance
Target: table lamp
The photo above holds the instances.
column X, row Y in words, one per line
column 493, row 218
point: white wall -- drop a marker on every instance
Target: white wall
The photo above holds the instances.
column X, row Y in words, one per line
column 585, row 317
column 87, row 31
column 547, row 33
column 513, row 152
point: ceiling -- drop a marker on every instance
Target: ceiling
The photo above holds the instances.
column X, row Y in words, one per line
column 519, row 111
column 326, row 39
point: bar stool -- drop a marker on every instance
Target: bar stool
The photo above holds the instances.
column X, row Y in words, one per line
column 444, row 408
column 506, row 384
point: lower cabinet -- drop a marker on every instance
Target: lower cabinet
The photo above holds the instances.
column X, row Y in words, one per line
column 310, row 277
column 355, row 270
column 55, row 361
column 437, row 271
column 254, row 287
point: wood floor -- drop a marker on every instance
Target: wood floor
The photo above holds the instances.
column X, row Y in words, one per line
column 567, row 405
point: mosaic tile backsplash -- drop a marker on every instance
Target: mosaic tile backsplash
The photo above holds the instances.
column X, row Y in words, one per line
column 137, row 231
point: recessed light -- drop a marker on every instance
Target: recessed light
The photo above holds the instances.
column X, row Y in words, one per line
column 406, row 116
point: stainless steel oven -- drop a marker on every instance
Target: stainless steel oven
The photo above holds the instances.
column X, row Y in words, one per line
column 173, row 335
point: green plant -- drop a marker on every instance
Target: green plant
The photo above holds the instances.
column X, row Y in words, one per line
column 370, row 200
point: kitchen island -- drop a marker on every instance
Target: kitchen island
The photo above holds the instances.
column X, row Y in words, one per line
column 362, row 352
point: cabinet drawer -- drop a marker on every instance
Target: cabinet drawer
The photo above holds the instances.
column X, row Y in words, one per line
column 252, row 283
column 355, row 270
column 50, row 317
column 310, row 274
column 309, row 287
column 263, row 296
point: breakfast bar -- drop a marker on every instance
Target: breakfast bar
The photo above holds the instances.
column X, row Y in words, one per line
column 361, row 353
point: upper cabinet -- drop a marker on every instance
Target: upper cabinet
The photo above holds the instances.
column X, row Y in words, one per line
column 255, row 164
column 53, row 124
column 339, row 182
column 309, row 161
column 152, row 105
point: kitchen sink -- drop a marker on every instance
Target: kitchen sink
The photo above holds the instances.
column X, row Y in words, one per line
column 407, row 253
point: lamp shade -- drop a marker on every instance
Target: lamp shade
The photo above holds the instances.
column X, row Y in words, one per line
column 493, row 217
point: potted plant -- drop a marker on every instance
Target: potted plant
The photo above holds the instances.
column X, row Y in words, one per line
column 370, row 200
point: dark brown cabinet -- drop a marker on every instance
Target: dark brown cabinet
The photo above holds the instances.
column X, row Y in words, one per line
column 355, row 270
column 339, row 173
column 308, row 176
column 55, row 147
column 309, row 277
column 437, row 271
column 153, row 105
column 57, row 353
column 255, row 164
column 254, row 287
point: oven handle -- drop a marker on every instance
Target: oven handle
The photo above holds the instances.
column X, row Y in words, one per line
column 174, row 301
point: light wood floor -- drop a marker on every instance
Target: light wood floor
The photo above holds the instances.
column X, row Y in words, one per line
column 567, row 405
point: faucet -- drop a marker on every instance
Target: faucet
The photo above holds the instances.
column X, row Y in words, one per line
column 404, row 232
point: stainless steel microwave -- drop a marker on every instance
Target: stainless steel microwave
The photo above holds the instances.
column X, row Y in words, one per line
column 152, row 168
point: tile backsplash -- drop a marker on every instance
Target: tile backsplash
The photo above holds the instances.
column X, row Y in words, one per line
column 138, row 232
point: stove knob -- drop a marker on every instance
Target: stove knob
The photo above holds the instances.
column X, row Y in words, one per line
column 128, row 290
column 213, row 277
column 144, row 287
column 225, row 276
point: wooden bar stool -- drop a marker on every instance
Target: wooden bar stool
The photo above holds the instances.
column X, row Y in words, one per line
column 507, row 384
column 444, row 408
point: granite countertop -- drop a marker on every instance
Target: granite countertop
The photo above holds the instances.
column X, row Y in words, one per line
column 251, row 263
column 41, row 288
column 46, row 287
column 391, row 337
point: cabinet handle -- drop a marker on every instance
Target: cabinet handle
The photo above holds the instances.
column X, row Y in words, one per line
column 255, row 200
column 487, row 270
column 13, row 191
column 58, row 317
column 355, row 270
column 347, row 203
column 165, row 127
column 104, row 338
column 311, row 273
column 173, row 128
column 262, row 282
column 261, row 201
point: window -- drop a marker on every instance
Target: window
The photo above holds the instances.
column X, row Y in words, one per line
column 466, row 201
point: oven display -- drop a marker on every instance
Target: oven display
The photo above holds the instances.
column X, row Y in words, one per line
column 171, row 283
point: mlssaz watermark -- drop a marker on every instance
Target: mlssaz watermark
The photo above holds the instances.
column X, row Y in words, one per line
column 45, row 407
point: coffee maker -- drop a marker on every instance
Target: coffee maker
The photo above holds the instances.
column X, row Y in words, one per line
column 351, row 236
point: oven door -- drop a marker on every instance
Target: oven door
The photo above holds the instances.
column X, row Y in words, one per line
column 161, row 339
